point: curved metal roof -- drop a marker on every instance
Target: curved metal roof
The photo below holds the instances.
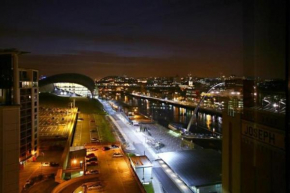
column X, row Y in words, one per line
column 69, row 77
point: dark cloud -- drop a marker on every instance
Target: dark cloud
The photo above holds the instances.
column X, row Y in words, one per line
column 134, row 37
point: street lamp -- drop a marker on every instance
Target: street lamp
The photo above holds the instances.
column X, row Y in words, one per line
column 74, row 162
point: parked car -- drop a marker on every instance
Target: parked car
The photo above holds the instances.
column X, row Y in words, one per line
column 28, row 184
column 95, row 186
column 92, row 159
column 90, row 155
column 93, row 130
column 92, row 149
column 67, row 176
column 54, row 164
column 117, row 155
column 92, row 172
column 105, row 148
column 93, row 163
column 114, row 146
column 95, row 140
column 45, row 163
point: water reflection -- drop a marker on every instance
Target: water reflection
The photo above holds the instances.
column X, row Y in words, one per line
column 165, row 113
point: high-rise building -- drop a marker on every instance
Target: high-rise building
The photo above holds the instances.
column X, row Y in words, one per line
column 18, row 118
column 28, row 98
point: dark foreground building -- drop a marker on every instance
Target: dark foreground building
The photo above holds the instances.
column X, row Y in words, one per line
column 255, row 139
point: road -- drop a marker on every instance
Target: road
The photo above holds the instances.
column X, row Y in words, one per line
column 82, row 132
column 138, row 140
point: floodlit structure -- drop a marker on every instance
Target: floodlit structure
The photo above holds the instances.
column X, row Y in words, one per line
column 69, row 84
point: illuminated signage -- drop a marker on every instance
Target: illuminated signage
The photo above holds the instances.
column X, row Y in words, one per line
column 264, row 134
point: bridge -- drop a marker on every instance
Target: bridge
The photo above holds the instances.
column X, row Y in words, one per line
column 184, row 104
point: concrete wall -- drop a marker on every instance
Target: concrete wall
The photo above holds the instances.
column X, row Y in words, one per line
column 65, row 155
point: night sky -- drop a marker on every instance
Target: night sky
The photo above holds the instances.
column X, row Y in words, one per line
column 126, row 37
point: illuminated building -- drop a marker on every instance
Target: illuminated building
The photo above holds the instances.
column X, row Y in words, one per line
column 68, row 84
column 29, row 103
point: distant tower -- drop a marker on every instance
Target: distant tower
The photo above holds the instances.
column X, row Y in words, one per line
column 190, row 80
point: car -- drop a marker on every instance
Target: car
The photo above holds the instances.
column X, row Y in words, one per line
column 95, row 186
column 67, row 176
column 92, row 172
column 93, row 130
column 95, row 141
column 92, row 159
column 105, row 148
column 93, row 163
column 30, row 182
column 80, row 119
column 92, row 121
column 117, row 155
column 54, row 164
column 114, row 146
column 27, row 186
column 45, row 164
column 90, row 155
column 92, row 149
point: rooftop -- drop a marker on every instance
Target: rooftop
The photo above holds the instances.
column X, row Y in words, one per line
column 141, row 161
column 198, row 167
